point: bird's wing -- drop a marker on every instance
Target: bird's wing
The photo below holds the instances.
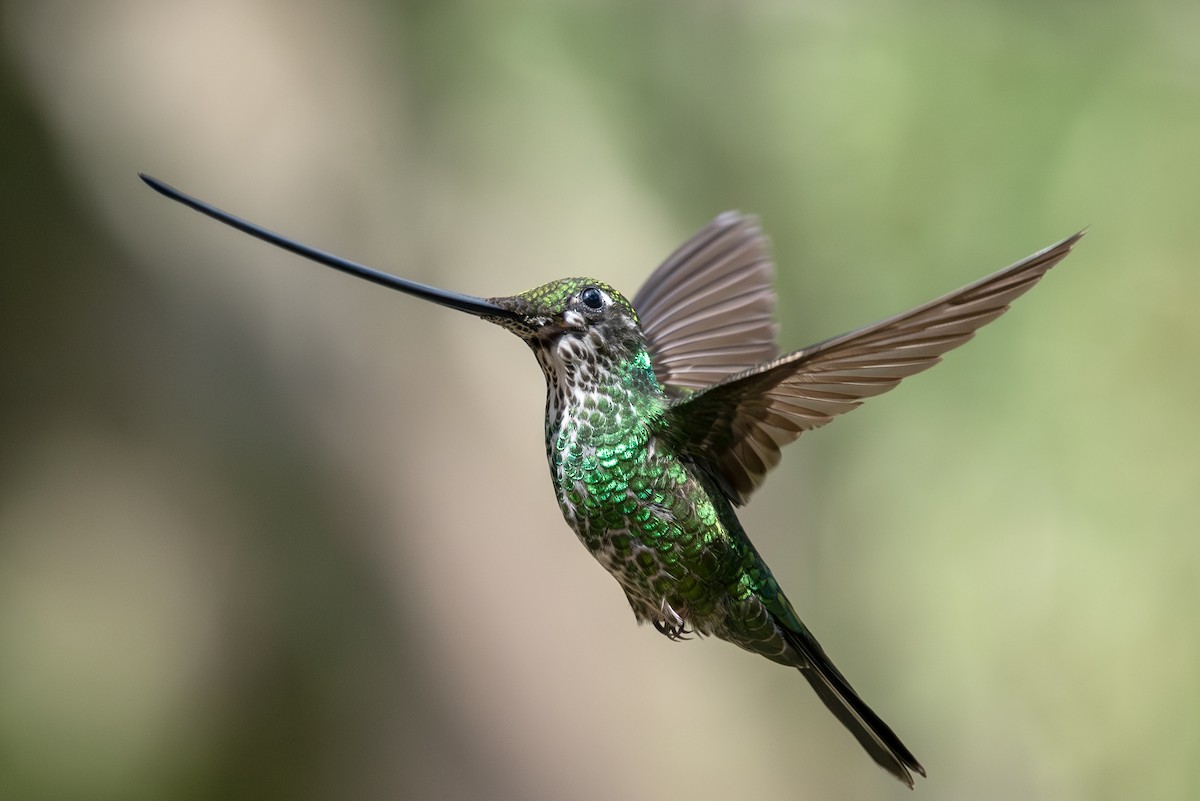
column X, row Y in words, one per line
column 707, row 310
column 737, row 427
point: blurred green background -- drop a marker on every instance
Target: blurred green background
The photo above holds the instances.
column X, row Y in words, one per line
column 268, row 532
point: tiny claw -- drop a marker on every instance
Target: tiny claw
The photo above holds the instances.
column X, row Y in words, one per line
column 672, row 623
column 672, row 632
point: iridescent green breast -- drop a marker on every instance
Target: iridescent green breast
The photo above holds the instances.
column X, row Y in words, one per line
column 635, row 506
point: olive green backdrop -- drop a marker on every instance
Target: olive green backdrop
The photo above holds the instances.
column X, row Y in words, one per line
column 267, row 532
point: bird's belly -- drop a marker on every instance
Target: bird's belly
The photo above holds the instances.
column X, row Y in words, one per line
column 663, row 555
column 646, row 518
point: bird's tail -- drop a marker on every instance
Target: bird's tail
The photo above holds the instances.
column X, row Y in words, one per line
column 880, row 741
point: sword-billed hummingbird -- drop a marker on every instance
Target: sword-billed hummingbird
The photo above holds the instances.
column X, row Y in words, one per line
column 666, row 411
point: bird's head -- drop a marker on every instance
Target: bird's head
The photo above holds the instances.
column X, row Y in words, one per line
column 573, row 308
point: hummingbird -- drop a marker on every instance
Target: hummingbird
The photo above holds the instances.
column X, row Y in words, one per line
column 665, row 412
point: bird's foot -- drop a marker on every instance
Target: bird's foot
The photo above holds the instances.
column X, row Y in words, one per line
column 671, row 623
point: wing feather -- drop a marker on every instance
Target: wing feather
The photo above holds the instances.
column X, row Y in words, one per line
column 707, row 311
column 739, row 425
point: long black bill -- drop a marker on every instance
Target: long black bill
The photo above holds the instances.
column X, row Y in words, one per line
column 467, row 303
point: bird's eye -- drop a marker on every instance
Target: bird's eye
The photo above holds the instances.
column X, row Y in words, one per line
column 592, row 298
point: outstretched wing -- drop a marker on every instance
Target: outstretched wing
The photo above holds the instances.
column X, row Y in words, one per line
column 707, row 310
column 738, row 426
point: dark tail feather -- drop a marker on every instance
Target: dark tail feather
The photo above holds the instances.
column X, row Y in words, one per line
column 837, row 694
